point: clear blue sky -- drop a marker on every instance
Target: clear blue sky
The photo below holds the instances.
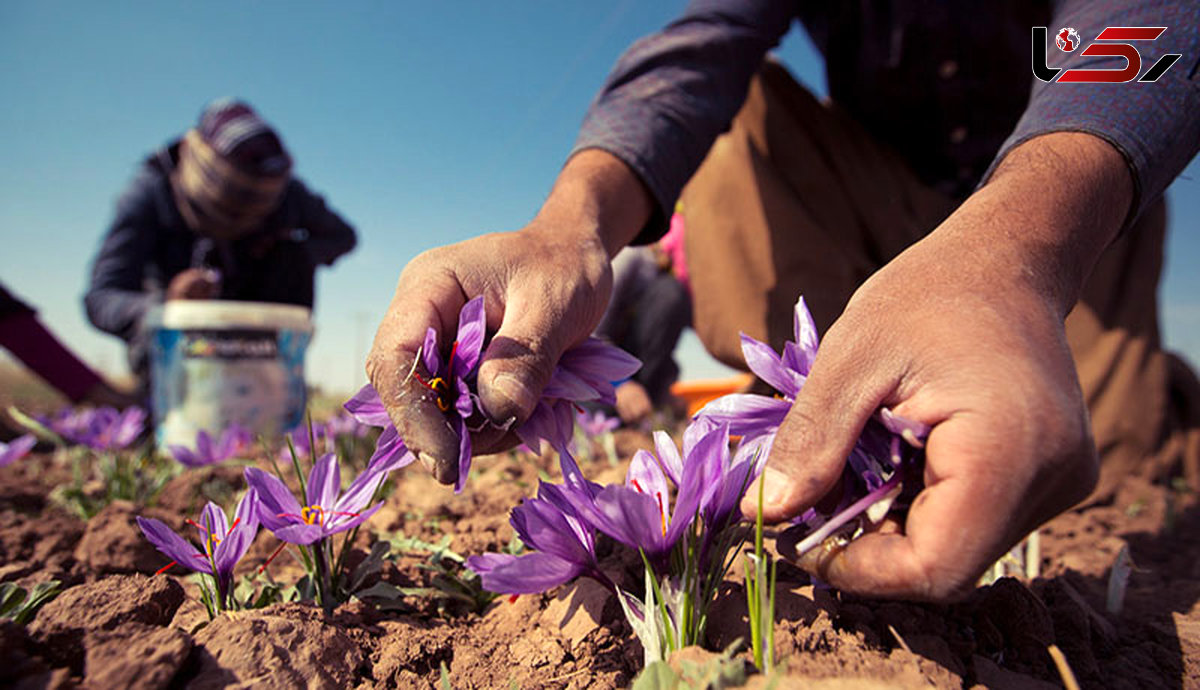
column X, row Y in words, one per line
column 422, row 123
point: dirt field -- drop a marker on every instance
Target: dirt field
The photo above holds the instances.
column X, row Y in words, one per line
column 118, row 625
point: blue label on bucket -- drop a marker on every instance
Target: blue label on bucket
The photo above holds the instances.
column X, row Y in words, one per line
column 208, row 379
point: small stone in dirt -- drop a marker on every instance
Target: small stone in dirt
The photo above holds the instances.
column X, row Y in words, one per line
column 285, row 646
column 113, row 543
column 134, row 656
column 61, row 625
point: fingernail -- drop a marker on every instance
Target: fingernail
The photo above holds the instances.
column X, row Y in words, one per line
column 515, row 390
column 776, row 486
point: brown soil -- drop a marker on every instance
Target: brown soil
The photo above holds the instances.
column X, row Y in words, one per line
column 117, row 626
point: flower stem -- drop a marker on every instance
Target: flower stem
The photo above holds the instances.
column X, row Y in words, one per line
column 323, row 580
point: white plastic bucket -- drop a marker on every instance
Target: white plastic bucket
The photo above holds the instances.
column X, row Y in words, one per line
column 215, row 362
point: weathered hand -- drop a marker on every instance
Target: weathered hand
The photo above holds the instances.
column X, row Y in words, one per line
column 544, row 286
column 963, row 331
column 193, row 283
column 633, row 403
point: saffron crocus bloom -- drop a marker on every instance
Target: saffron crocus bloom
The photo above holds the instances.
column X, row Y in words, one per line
column 102, row 428
column 584, row 372
column 753, row 415
column 390, row 451
column 640, row 512
column 232, row 441
column 597, row 423
column 328, row 510
column 16, row 449
column 224, row 542
column 565, row 547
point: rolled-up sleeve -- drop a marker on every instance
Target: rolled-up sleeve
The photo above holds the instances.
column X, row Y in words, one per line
column 1155, row 125
column 672, row 93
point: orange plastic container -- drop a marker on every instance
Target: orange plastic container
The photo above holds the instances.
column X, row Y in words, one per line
column 700, row 392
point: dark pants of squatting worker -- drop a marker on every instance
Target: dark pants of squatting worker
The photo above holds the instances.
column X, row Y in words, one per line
column 796, row 198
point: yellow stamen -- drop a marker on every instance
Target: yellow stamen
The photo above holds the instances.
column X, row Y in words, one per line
column 312, row 515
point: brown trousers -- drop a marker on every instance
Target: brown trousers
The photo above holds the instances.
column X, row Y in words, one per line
column 798, row 199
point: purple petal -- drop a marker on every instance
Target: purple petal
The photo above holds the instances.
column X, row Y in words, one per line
column 184, row 456
column 204, row 447
column 390, row 452
column 531, row 573
column 360, row 492
column 912, row 431
column 702, row 471
column 368, row 408
column 645, row 476
column 668, row 454
column 299, row 533
column 274, row 499
column 629, row 516
column 805, row 331
column 568, row 386
column 324, row 482
column 213, row 522
column 173, row 546
column 429, row 353
column 341, row 523
column 463, row 403
column 763, row 361
column 16, row 449
column 464, row 455
column 241, row 535
column 472, row 325
column 746, row 414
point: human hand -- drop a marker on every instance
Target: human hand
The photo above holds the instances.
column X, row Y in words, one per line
column 963, row 331
column 633, row 403
column 544, row 286
column 194, row 283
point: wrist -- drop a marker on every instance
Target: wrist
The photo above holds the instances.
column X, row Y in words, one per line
column 1047, row 213
column 597, row 201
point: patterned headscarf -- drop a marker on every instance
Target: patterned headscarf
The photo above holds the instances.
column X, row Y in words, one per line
column 232, row 171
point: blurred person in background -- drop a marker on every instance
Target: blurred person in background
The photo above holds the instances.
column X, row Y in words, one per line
column 215, row 214
column 649, row 309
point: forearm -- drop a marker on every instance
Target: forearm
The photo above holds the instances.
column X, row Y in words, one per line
column 597, row 201
column 1051, row 207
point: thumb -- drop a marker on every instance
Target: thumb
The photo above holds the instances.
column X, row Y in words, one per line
column 820, row 430
column 519, row 361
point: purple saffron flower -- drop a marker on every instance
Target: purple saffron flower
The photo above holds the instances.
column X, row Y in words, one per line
column 390, row 451
column 325, row 513
column 640, row 514
column 224, row 543
column 585, row 372
column 102, row 428
column 565, row 547
column 233, row 440
column 597, row 423
column 16, row 449
column 752, row 415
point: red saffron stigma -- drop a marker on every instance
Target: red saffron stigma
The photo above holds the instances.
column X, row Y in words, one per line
column 263, row 567
column 166, row 567
column 639, row 488
column 512, row 598
column 450, row 365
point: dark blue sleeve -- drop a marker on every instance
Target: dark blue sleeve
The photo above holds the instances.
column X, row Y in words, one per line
column 1155, row 125
column 329, row 236
column 116, row 299
column 672, row 93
